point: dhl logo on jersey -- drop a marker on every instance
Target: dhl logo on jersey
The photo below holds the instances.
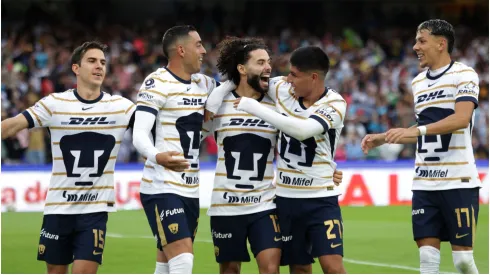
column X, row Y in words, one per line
column 432, row 96
column 88, row 121
column 192, row 102
column 251, row 122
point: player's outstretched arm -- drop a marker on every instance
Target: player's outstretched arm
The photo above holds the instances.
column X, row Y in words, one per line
column 298, row 128
column 13, row 125
column 459, row 120
column 371, row 141
column 216, row 98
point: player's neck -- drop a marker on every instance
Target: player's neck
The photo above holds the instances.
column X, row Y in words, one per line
column 441, row 62
column 178, row 70
column 314, row 96
column 88, row 92
column 246, row 90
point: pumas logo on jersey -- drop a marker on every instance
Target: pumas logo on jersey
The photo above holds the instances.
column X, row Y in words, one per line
column 252, row 122
column 192, row 102
column 79, row 198
column 245, row 199
column 431, row 96
column 436, row 173
column 297, row 181
column 88, row 121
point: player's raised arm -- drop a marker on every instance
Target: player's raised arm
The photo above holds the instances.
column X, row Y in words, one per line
column 38, row 115
column 217, row 95
column 371, row 141
column 300, row 129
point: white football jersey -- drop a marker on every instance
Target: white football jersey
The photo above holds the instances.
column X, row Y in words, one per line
column 179, row 109
column 243, row 182
column 445, row 161
column 305, row 168
column 85, row 139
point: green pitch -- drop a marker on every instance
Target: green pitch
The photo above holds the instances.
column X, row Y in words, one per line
column 376, row 239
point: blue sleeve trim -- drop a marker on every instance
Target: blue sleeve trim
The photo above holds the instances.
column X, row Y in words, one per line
column 468, row 98
column 147, row 109
column 29, row 119
column 322, row 122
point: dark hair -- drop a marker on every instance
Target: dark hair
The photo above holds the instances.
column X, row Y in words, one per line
column 234, row 51
column 172, row 35
column 79, row 52
column 439, row 27
column 310, row 58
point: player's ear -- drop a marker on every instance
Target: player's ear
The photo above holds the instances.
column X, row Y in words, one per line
column 180, row 50
column 241, row 69
column 314, row 76
column 442, row 43
column 75, row 67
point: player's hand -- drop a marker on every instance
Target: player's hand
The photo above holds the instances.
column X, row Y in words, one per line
column 372, row 141
column 337, row 177
column 397, row 134
column 170, row 161
column 208, row 115
column 236, row 102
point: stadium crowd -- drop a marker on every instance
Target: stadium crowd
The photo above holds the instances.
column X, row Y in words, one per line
column 373, row 72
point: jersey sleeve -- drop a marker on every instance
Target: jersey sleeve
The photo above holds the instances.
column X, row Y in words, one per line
column 468, row 88
column 130, row 111
column 331, row 114
column 152, row 95
column 41, row 113
column 210, row 83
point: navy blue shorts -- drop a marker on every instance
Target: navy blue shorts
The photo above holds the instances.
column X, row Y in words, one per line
column 230, row 235
column 310, row 227
column 65, row 238
column 450, row 215
column 171, row 217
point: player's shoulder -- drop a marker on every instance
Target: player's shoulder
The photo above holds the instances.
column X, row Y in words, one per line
column 158, row 80
column 203, row 80
column 116, row 99
column 281, row 87
column 332, row 96
column 160, row 74
column 277, row 80
column 62, row 96
column 459, row 67
column 420, row 77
